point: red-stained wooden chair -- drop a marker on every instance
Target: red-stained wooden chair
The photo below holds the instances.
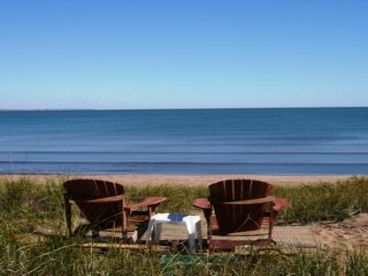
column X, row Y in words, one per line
column 243, row 208
column 104, row 205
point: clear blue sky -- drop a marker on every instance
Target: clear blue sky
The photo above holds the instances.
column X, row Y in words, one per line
column 182, row 53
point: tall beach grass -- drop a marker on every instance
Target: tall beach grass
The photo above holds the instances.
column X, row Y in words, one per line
column 26, row 207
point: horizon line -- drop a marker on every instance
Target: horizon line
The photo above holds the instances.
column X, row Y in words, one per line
column 172, row 108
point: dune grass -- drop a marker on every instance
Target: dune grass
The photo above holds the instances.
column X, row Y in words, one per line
column 24, row 207
column 308, row 203
column 312, row 203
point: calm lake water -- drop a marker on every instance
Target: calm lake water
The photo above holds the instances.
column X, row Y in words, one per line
column 208, row 141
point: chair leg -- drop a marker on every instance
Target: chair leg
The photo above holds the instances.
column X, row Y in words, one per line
column 270, row 228
column 125, row 216
column 209, row 241
column 68, row 214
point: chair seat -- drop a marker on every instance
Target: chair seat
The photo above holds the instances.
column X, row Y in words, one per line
column 228, row 241
column 262, row 231
column 133, row 223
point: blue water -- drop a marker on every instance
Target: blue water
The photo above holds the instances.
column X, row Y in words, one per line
column 202, row 141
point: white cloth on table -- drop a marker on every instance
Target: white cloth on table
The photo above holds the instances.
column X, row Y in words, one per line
column 192, row 225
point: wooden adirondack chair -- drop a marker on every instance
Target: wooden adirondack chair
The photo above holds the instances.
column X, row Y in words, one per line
column 242, row 207
column 103, row 204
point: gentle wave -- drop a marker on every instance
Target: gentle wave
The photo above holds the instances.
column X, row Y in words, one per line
column 184, row 152
column 178, row 163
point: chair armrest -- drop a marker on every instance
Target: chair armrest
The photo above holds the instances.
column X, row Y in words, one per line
column 206, row 206
column 202, row 203
column 280, row 203
column 147, row 202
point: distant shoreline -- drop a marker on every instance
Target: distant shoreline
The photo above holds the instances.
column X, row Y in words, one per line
column 188, row 180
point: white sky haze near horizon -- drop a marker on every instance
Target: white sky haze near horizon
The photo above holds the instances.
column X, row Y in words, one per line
column 182, row 54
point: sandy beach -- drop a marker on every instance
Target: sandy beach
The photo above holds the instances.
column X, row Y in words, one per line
column 190, row 180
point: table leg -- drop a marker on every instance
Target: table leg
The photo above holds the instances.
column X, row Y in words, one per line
column 199, row 233
column 150, row 229
column 157, row 231
column 191, row 234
